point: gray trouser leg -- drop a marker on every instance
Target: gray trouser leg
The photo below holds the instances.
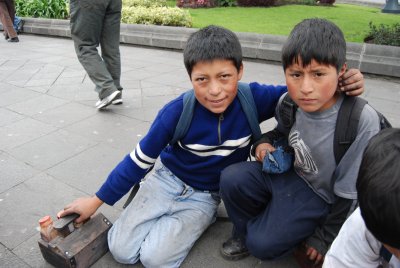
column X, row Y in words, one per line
column 89, row 25
column 109, row 41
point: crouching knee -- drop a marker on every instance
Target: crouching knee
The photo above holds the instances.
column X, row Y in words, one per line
column 264, row 249
column 152, row 261
column 160, row 257
column 121, row 254
column 231, row 178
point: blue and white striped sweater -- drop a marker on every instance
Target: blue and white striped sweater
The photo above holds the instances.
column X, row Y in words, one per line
column 212, row 143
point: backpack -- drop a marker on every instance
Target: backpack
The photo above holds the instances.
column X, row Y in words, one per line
column 346, row 124
column 189, row 101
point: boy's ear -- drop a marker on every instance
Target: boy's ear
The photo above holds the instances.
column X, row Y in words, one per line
column 343, row 69
column 240, row 72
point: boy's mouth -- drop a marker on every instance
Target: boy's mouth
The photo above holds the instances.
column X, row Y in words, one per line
column 307, row 100
column 216, row 101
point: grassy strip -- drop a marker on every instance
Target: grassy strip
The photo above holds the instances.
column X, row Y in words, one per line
column 352, row 19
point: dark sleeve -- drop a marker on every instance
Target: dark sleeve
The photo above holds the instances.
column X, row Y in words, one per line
column 324, row 235
column 267, row 137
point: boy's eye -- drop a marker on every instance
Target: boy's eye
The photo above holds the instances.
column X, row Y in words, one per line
column 295, row 75
column 318, row 74
column 200, row 79
column 225, row 76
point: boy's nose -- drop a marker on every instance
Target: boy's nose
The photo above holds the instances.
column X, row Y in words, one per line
column 306, row 86
column 215, row 88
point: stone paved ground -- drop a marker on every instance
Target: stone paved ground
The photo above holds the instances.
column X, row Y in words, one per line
column 55, row 146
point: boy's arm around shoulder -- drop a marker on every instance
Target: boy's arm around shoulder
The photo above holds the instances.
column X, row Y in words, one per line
column 266, row 98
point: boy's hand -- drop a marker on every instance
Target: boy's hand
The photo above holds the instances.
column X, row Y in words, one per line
column 352, row 82
column 314, row 255
column 262, row 149
column 85, row 207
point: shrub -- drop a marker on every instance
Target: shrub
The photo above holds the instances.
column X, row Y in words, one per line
column 144, row 3
column 53, row 9
column 226, row 3
column 196, row 3
column 247, row 3
column 326, row 2
column 171, row 16
column 384, row 34
column 295, row 2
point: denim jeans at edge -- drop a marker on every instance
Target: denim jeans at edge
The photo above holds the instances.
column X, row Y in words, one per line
column 162, row 222
column 95, row 23
column 273, row 212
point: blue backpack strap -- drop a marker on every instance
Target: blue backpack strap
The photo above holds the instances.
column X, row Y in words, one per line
column 250, row 109
column 385, row 254
column 189, row 101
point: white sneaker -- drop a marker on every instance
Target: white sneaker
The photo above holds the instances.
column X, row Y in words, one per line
column 108, row 100
column 118, row 100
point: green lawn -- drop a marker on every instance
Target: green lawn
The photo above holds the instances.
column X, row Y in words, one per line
column 352, row 19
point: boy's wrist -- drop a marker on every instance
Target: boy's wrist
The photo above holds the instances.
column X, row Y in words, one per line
column 97, row 201
column 318, row 244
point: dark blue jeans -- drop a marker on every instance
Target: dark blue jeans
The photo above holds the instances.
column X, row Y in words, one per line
column 273, row 212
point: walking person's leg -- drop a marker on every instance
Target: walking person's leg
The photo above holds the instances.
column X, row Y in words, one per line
column 11, row 9
column 9, row 32
column 109, row 43
column 86, row 30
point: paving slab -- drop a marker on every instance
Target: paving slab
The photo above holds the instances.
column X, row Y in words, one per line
column 55, row 146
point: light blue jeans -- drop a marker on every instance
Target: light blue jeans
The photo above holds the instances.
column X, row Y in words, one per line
column 162, row 222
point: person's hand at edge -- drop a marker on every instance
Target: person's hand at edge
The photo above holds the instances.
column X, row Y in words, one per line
column 84, row 206
column 314, row 255
column 352, row 82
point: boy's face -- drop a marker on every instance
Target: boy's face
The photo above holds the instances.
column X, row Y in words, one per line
column 313, row 87
column 215, row 83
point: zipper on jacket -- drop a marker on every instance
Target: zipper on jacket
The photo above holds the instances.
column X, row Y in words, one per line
column 220, row 119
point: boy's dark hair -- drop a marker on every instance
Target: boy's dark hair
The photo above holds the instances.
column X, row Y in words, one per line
column 378, row 186
column 315, row 39
column 210, row 43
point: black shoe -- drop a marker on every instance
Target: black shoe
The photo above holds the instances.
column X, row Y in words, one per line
column 234, row 249
column 13, row 40
column 6, row 36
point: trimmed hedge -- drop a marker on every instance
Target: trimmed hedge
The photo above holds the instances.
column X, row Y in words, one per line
column 144, row 3
column 157, row 16
column 384, row 34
